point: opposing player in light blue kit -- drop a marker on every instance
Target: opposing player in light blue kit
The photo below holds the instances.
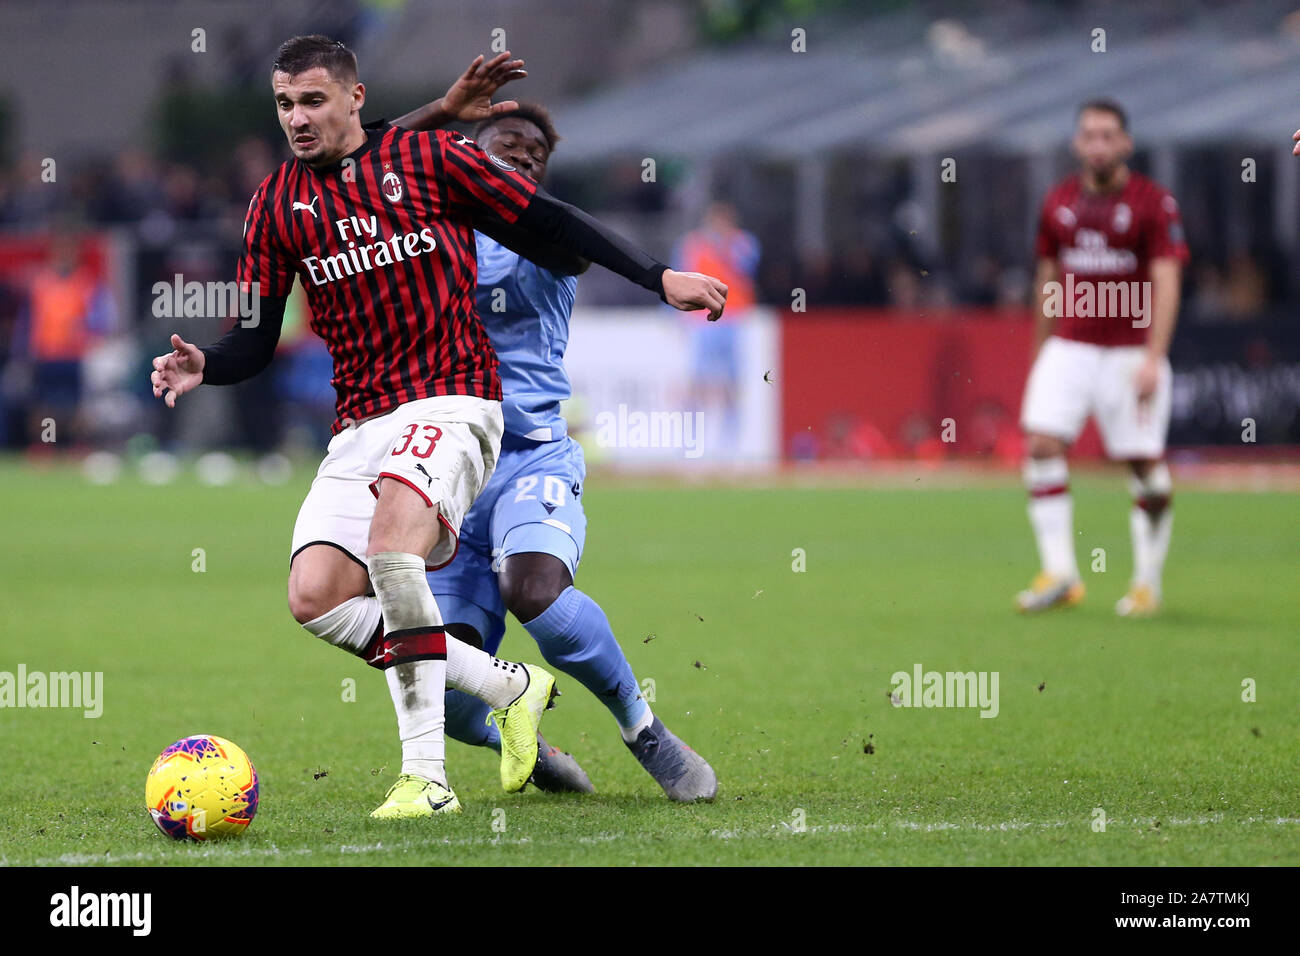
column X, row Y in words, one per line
column 521, row 542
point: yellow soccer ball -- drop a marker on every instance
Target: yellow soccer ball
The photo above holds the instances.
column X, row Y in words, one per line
column 202, row 788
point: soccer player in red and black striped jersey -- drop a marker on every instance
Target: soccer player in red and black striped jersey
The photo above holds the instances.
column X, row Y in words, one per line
column 378, row 226
column 1110, row 256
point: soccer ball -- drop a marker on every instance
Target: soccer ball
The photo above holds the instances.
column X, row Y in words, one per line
column 202, row 788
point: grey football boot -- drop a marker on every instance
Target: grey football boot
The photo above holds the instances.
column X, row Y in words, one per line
column 558, row 772
column 684, row 774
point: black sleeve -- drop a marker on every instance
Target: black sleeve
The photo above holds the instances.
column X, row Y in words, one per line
column 245, row 351
column 572, row 229
column 531, row 246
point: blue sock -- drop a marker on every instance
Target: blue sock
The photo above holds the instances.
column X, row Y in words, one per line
column 467, row 721
column 574, row 635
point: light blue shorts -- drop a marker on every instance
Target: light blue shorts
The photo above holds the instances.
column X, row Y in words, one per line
column 532, row 502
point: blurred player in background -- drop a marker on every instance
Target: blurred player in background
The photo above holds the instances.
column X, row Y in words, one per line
column 376, row 222
column 1110, row 255
column 68, row 307
column 522, row 540
column 719, row 247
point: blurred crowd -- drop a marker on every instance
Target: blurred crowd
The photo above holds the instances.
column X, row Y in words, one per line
column 137, row 188
column 79, row 258
column 873, row 258
column 80, row 254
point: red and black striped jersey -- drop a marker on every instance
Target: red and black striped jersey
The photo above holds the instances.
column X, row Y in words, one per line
column 383, row 243
column 1100, row 239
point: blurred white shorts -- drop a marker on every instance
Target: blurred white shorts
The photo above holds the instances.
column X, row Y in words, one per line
column 445, row 448
column 1072, row 380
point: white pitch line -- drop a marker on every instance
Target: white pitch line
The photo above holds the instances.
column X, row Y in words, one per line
column 166, row 854
column 1009, row 826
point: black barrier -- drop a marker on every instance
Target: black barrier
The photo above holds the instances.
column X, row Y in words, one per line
column 1237, row 384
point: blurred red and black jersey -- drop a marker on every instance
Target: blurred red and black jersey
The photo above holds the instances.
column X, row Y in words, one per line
column 383, row 243
column 1106, row 238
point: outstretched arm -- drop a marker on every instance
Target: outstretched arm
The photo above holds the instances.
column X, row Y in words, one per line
column 469, row 99
column 241, row 353
column 476, row 183
column 570, row 228
column 532, row 247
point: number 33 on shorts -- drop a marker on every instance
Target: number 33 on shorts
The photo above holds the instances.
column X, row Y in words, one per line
column 413, row 447
column 425, row 444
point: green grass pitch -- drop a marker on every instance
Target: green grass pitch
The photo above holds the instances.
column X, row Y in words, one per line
column 780, row 677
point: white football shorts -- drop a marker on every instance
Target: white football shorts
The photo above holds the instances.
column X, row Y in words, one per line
column 1071, row 380
column 445, row 448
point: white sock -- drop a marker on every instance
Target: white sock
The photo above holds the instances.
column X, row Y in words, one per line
column 496, row 682
column 1051, row 514
column 350, row 626
column 417, row 677
column 1151, row 538
column 630, row 734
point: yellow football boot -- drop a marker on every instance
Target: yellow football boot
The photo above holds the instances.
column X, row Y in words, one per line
column 518, row 726
column 1140, row 601
column 1048, row 592
column 414, row 796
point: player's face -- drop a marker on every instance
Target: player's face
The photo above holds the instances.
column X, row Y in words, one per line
column 1101, row 143
column 520, row 143
column 317, row 114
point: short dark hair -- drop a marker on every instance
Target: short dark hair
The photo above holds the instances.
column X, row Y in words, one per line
column 534, row 113
column 1106, row 106
column 300, row 54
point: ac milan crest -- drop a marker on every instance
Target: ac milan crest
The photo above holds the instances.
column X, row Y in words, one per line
column 391, row 184
column 1123, row 217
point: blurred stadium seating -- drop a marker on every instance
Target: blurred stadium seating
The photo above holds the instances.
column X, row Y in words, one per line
column 916, row 290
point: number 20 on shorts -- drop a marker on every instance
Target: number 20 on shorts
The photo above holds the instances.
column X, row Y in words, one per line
column 552, row 489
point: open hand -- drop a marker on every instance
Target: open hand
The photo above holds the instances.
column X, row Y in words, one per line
column 469, row 99
column 177, row 372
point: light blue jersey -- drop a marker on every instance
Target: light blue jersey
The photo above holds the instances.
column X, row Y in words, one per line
column 525, row 310
column 533, row 501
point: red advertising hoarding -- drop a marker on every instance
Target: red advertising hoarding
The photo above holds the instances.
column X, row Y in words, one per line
column 881, row 383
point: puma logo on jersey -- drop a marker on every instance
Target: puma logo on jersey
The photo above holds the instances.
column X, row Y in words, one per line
column 309, row 206
column 420, row 469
